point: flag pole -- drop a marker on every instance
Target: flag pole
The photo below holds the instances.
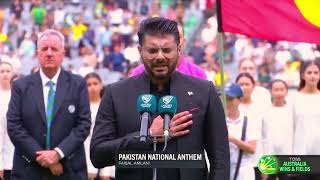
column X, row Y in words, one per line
column 221, row 55
column 221, row 62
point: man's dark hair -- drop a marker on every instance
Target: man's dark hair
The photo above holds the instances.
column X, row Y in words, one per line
column 158, row 25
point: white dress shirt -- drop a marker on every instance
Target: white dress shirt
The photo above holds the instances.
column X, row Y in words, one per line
column 46, row 89
column 235, row 130
column 6, row 146
column 255, row 112
column 246, row 171
column 306, row 119
column 277, row 130
column 106, row 171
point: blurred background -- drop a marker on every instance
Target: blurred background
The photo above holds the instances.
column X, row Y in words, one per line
column 101, row 37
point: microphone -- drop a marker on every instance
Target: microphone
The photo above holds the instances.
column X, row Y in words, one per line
column 167, row 108
column 146, row 105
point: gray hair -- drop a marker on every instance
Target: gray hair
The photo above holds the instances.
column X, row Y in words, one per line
column 51, row 32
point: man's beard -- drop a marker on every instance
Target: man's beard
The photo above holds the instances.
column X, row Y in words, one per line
column 161, row 76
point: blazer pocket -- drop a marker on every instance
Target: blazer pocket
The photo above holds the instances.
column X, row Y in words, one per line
column 196, row 110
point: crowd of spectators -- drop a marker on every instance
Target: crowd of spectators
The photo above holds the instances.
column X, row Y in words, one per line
column 100, row 35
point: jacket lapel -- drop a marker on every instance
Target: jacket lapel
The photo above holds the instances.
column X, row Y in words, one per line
column 180, row 89
column 38, row 96
column 61, row 91
column 144, row 85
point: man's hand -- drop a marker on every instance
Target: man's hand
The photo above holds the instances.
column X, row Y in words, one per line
column 56, row 169
column 47, row 158
column 179, row 124
column 178, row 127
column 157, row 127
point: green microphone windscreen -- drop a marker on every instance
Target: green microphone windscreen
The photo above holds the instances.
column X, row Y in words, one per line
column 167, row 105
column 146, row 103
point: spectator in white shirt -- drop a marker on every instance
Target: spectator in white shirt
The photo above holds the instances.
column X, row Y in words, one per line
column 277, row 125
column 6, row 146
column 306, row 115
column 95, row 90
column 254, row 110
column 235, row 121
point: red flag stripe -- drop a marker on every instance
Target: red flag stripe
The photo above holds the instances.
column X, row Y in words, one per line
column 268, row 19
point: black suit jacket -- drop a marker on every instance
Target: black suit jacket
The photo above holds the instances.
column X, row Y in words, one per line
column 118, row 123
column 27, row 125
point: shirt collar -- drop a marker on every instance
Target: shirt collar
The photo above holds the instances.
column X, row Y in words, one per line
column 45, row 79
column 236, row 121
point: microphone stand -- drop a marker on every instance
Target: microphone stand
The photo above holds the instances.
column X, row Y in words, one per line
column 154, row 140
column 154, row 150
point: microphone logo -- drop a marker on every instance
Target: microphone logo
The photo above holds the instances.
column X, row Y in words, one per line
column 167, row 102
column 167, row 99
column 146, row 98
column 146, row 101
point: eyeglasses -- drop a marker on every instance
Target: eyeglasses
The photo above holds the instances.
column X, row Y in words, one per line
column 153, row 52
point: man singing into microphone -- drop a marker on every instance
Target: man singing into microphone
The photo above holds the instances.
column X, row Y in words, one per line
column 204, row 128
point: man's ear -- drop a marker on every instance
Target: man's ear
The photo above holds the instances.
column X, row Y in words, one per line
column 179, row 49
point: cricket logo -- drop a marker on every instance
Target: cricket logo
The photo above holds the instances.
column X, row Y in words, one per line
column 268, row 164
column 146, row 98
column 167, row 99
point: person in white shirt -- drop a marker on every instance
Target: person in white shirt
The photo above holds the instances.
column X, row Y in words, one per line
column 6, row 146
column 95, row 89
column 235, row 121
column 254, row 110
column 306, row 115
column 277, row 125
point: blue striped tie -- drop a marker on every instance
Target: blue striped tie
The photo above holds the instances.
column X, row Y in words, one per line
column 50, row 105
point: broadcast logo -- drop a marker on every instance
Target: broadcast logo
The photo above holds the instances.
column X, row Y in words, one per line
column 268, row 165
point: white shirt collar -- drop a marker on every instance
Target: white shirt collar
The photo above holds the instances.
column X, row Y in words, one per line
column 236, row 121
column 45, row 79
